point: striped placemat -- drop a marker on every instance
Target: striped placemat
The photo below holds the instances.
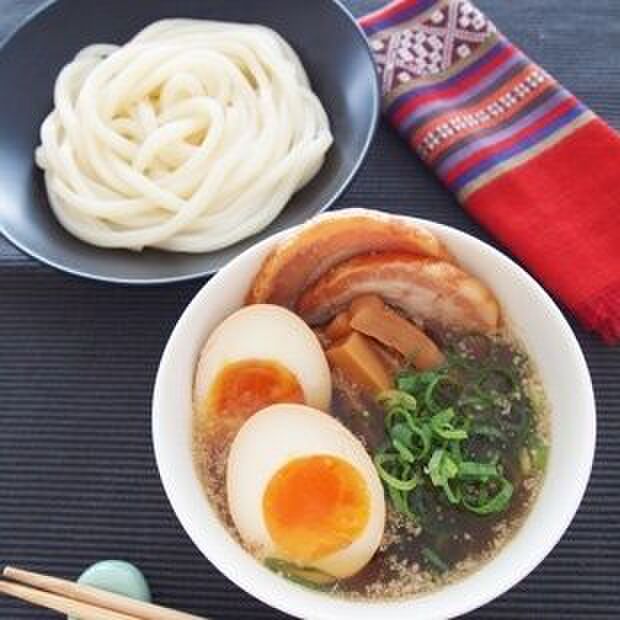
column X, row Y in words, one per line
column 78, row 480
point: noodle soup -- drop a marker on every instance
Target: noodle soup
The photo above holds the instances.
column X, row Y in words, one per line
column 434, row 402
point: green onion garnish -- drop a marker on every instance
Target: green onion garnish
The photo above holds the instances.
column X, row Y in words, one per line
column 449, row 430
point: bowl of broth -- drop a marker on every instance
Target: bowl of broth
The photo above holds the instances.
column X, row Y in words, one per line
column 373, row 415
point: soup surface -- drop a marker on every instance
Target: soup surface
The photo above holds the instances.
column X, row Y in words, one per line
column 482, row 412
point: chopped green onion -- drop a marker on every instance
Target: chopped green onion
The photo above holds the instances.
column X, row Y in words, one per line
column 397, row 398
column 400, row 500
column 454, row 495
column 434, row 560
column 404, row 452
column 425, row 435
column 455, row 450
column 430, row 399
column 477, row 471
column 496, row 503
column 414, row 382
column 406, row 484
column 406, row 382
column 428, row 393
column 441, row 469
column 304, row 576
column 442, row 425
column 450, row 432
column 401, row 431
column 397, row 412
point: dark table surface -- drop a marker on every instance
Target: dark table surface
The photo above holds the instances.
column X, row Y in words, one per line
column 78, row 481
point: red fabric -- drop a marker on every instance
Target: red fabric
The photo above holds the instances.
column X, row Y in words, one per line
column 570, row 191
column 559, row 211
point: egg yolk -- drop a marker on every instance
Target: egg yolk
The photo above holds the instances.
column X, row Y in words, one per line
column 243, row 388
column 315, row 506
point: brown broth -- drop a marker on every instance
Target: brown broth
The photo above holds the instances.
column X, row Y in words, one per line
column 461, row 539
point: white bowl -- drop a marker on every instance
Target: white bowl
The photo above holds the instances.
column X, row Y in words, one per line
column 550, row 342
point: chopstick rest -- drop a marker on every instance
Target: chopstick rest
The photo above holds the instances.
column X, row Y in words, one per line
column 527, row 159
column 119, row 577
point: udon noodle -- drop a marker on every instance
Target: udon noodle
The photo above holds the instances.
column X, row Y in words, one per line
column 191, row 137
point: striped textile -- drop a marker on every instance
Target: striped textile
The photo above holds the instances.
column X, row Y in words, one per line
column 478, row 111
column 470, row 103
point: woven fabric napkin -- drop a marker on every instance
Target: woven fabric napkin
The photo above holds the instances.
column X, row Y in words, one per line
column 524, row 157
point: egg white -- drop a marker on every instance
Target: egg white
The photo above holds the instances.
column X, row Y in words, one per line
column 270, row 333
column 268, row 441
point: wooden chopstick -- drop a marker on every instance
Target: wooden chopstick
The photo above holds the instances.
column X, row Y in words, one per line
column 83, row 601
column 61, row 604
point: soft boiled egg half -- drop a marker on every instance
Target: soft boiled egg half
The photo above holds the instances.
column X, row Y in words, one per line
column 302, row 488
column 260, row 355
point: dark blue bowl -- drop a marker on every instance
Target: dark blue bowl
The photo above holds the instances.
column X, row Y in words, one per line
column 331, row 46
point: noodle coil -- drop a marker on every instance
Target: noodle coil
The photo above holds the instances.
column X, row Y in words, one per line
column 189, row 138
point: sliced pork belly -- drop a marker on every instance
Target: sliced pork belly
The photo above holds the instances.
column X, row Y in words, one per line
column 331, row 239
column 425, row 289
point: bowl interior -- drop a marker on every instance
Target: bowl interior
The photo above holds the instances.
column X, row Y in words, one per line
column 331, row 47
column 553, row 348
